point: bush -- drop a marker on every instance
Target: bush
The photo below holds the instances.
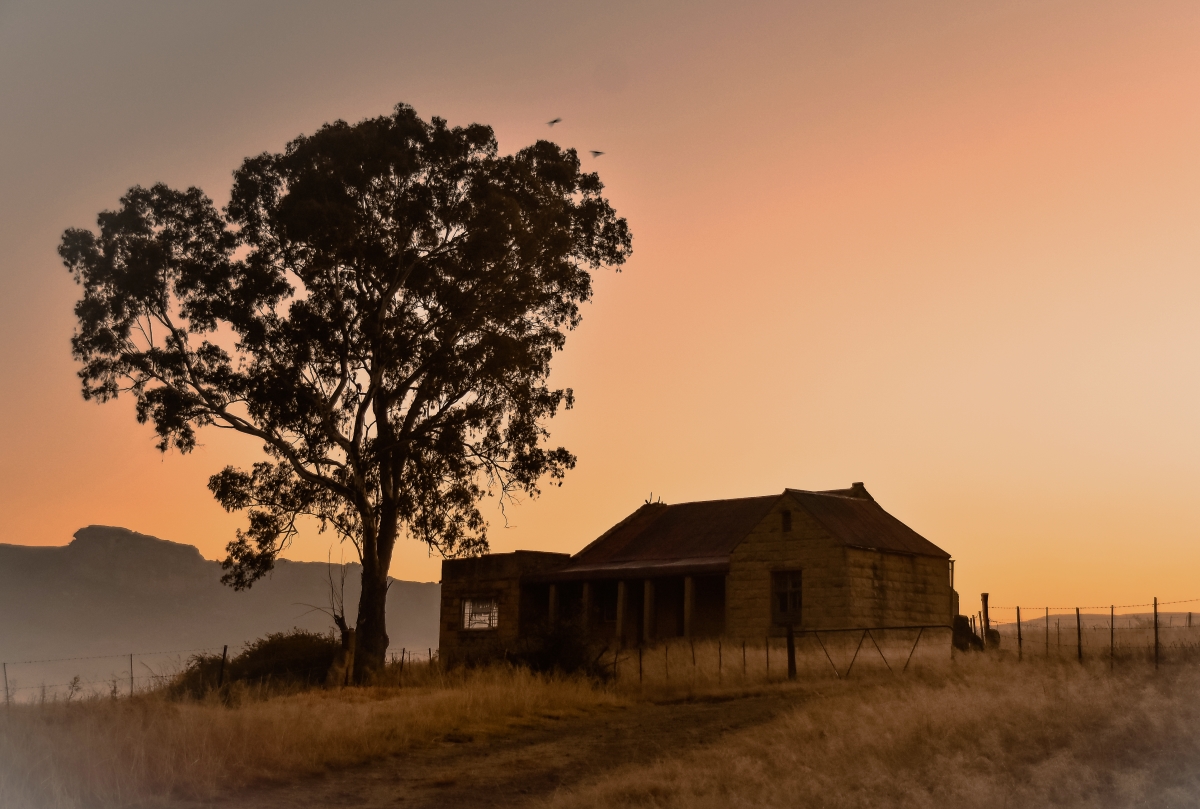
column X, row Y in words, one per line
column 561, row 648
column 964, row 639
column 285, row 659
column 296, row 657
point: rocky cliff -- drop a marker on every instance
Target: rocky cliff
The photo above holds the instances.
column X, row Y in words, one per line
column 112, row 590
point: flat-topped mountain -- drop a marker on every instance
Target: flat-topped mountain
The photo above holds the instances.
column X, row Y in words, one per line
column 112, row 590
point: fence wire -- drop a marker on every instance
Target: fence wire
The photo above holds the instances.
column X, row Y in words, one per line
column 56, row 677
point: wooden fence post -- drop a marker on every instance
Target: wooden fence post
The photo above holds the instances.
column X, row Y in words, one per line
column 221, row 672
column 987, row 621
column 719, row 661
column 1112, row 635
column 400, row 678
column 1047, row 633
column 131, row 674
column 1079, row 635
column 1020, row 647
column 1156, row 632
column 791, row 652
column 7, row 702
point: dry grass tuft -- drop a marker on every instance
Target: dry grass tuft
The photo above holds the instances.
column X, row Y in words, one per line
column 985, row 733
column 982, row 731
column 132, row 752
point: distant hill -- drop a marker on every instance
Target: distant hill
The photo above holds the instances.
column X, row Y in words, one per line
column 113, row 590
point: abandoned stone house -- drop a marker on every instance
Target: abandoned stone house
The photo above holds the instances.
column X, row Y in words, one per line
column 742, row 568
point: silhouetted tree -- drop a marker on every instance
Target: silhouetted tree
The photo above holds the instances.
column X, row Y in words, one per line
column 378, row 306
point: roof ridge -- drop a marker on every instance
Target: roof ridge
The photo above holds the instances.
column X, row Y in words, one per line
column 829, row 493
column 716, row 500
column 663, row 527
column 611, row 530
column 924, row 548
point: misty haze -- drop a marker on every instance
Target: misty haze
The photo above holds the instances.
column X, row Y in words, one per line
column 562, row 406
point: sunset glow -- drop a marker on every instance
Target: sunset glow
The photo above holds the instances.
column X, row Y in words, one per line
column 947, row 250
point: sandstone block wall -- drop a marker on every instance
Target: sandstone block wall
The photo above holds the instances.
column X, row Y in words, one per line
column 842, row 586
column 493, row 576
column 891, row 589
column 808, row 547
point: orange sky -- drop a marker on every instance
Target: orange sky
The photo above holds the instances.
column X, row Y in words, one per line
column 946, row 249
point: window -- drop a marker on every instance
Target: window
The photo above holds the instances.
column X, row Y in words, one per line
column 480, row 613
column 787, row 521
column 785, row 596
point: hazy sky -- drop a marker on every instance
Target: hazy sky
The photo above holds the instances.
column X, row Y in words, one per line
column 949, row 249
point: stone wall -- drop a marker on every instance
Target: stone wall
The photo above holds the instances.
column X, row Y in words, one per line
column 892, row 589
column 808, row 547
column 492, row 576
column 842, row 587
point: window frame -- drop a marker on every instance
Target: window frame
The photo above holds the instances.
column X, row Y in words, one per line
column 469, row 608
column 792, row 589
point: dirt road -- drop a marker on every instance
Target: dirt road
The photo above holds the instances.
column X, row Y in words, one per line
column 528, row 763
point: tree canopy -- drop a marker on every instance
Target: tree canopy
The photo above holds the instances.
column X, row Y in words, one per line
column 378, row 305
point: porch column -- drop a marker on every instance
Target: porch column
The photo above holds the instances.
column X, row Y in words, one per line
column 689, row 599
column 620, row 613
column 553, row 604
column 647, row 610
column 587, row 606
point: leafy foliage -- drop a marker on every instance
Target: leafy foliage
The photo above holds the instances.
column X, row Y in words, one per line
column 562, row 648
column 378, row 306
column 964, row 638
column 295, row 658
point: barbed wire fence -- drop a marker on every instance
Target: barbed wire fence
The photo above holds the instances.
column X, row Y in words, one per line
column 50, row 679
column 129, row 673
column 1094, row 632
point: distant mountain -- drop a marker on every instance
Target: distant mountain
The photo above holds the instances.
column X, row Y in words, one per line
column 113, row 590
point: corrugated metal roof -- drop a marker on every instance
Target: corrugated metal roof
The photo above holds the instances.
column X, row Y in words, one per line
column 657, row 532
column 854, row 517
column 664, row 536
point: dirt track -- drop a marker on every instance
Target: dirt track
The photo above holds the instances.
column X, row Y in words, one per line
column 526, row 764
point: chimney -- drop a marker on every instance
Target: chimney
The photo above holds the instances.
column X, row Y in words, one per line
column 857, row 489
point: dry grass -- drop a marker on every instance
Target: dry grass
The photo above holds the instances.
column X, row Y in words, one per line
column 985, row 733
column 680, row 667
column 134, row 752
column 980, row 732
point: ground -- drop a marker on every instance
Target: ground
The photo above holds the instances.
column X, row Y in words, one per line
column 973, row 732
column 542, row 755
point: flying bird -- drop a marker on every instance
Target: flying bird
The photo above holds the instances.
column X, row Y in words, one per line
column 555, row 121
column 595, row 153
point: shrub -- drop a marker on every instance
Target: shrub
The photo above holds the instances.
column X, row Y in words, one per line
column 296, row 657
column 965, row 639
column 561, row 648
column 283, row 659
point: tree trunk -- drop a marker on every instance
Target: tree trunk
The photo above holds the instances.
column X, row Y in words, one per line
column 371, row 639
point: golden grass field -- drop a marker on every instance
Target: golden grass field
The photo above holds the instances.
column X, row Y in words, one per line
column 136, row 752
column 986, row 734
column 980, row 731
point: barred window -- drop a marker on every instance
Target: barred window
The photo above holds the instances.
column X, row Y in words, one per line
column 480, row 613
column 785, row 596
